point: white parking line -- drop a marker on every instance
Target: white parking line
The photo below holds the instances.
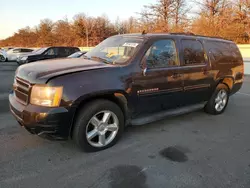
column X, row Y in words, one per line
column 246, row 94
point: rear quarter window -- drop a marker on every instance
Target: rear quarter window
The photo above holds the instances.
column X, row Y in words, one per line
column 219, row 52
column 235, row 52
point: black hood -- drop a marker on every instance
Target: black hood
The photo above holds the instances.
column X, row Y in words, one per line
column 41, row 71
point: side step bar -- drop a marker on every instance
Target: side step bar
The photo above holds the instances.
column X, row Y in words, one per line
column 169, row 113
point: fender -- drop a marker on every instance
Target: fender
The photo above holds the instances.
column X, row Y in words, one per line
column 117, row 96
column 227, row 80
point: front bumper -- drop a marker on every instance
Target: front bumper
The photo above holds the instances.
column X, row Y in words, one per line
column 21, row 62
column 55, row 122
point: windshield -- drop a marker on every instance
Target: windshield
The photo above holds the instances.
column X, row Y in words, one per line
column 40, row 51
column 114, row 50
column 75, row 55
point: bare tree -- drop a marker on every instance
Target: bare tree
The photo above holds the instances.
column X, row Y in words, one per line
column 45, row 33
column 180, row 19
column 161, row 12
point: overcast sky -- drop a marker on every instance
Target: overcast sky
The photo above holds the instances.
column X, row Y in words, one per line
column 16, row 14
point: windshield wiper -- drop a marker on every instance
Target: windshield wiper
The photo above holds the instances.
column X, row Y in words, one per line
column 101, row 59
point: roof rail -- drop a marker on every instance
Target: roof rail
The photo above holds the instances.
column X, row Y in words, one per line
column 183, row 33
column 192, row 34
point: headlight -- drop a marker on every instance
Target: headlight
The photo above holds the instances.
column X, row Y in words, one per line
column 46, row 96
column 24, row 58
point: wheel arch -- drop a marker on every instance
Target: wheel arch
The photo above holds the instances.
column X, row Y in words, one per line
column 118, row 97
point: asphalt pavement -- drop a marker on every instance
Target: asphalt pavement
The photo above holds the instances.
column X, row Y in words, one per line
column 195, row 150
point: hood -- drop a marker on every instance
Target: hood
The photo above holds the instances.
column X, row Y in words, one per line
column 29, row 54
column 41, row 71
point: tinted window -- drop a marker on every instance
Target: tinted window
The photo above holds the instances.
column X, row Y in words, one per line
column 52, row 51
column 62, row 52
column 26, row 50
column 162, row 54
column 17, row 50
column 69, row 51
column 235, row 51
column 219, row 51
column 193, row 52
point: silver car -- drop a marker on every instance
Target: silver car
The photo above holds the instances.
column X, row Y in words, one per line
column 14, row 53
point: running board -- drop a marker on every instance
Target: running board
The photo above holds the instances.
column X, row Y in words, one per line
column 169, row 113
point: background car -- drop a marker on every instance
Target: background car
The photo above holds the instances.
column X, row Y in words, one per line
column 8, row 48
column 14, row 53
column 77, row 54
column 47, row 53
column 3, row 55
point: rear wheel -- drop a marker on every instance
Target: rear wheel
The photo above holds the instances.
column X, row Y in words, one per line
column 98, row 126
column 219, row 100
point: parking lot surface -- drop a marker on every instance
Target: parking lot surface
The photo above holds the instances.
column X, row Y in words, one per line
column 195, row 150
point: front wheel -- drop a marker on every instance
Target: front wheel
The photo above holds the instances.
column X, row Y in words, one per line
column 2, row 58
column 219, row 100
column 98, row 126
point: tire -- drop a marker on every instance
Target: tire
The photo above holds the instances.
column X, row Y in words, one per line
column 83, row 125
column 2, row 58
column 211, row 104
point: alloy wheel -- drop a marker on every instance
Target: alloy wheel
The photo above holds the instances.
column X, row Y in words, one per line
column 102, row 128
column 221, row 100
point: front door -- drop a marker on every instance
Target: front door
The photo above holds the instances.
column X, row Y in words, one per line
column 196, row 71
column 159, row 85
column 51, row 53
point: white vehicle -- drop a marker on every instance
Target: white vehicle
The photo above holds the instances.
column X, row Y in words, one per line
column 3, row 55
column 14, row 53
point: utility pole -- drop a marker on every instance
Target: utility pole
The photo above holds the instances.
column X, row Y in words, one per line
column 87, row 35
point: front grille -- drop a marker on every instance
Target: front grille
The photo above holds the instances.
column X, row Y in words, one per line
column 22, row 90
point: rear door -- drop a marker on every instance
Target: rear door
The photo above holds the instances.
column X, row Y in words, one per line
column 159, row 85
column 196, row 71
column 62, row 52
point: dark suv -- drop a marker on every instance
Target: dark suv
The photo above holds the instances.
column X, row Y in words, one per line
column 126, row 80
column 47, row 53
